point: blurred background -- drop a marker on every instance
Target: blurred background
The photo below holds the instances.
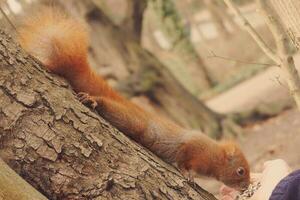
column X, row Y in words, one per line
column 191, row 61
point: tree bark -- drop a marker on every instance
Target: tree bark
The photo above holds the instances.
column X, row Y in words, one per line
column 68, row 152
column 13, row 187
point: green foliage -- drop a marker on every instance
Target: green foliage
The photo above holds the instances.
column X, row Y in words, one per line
column 169, row 19
column 149, row 79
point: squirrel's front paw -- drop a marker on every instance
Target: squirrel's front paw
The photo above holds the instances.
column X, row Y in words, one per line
column 87, row 100
column 188, row 175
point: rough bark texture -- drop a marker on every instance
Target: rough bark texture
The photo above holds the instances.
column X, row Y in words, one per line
column 68, row 152
column 13, row 187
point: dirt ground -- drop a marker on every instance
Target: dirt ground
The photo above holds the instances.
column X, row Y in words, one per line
column 278, row 137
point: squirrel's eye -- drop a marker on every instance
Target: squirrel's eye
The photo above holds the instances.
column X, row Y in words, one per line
column 240, row 171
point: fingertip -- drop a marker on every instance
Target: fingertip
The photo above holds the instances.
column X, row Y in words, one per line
column 227, row 197
column 254, row 177
column 225, row 190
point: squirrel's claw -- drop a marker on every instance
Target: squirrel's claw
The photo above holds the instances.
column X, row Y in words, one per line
column 87, row 100
column 188, row 175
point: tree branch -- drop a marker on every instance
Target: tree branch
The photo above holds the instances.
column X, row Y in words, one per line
column 253, row 32
column 282, row 42
column 281, row 57
column 214, row 55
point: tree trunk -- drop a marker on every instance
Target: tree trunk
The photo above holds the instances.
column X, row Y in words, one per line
column 68, row 152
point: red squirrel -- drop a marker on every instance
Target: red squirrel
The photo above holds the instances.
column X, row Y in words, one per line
column 61, row 44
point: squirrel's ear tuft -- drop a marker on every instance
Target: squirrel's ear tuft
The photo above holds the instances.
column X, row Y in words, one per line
column 230, row 148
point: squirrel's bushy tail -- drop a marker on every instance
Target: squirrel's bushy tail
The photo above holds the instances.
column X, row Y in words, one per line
column 57, row 40
column 61, row 44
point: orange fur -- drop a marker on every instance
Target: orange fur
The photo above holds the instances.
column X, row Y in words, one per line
column 60, row 43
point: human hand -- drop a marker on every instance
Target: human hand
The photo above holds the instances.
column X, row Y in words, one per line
column 273, row 172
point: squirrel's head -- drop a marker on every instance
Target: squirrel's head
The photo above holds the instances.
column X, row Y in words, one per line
column 222, row 160
column 235, row 171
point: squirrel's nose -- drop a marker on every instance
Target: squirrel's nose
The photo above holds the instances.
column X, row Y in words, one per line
column 244, row 186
